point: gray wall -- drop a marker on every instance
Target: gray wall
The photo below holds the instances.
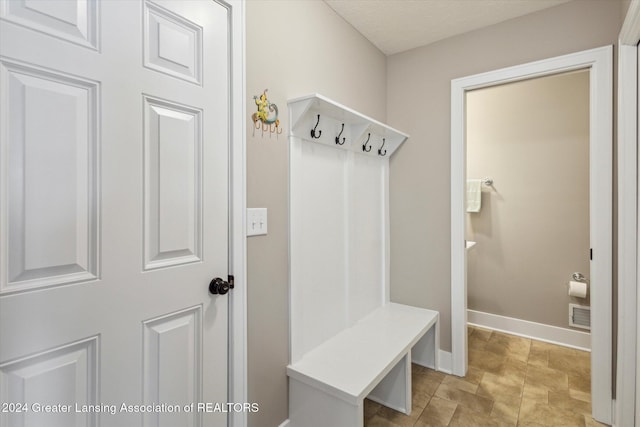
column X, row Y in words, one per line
column 418, row 96
column 532, row 139
column 294, row 48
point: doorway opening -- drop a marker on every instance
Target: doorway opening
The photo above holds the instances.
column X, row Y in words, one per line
column 597, row 63
column 528, row 153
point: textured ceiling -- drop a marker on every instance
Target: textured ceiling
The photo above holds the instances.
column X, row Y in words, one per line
column 398, row 25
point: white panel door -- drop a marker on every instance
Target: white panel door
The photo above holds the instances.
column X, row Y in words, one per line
column 114, row 150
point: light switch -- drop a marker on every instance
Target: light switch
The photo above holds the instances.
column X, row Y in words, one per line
column 256, row 221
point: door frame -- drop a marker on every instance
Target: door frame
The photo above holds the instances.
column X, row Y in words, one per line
column 237, row 343
column 600, row 63
column 627, row 408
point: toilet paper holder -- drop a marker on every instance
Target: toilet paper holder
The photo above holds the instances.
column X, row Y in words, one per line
column 578, row 277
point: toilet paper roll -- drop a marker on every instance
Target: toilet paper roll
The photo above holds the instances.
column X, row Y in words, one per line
column 577, row 289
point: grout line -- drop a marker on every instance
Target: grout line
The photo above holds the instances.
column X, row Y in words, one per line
column 526, row 373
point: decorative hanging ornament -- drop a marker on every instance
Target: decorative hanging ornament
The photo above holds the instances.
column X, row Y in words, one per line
column 266, row 118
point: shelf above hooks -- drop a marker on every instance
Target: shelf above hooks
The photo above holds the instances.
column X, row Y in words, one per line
column 319, row 120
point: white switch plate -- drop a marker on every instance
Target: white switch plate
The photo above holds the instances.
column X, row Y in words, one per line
column 256, row 221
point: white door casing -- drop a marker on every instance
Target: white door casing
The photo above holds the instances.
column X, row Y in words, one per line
column 627, row 368
column 599, row 62
column 116, row 124
column 627, row 401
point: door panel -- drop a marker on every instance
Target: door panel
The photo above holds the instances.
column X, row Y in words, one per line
column 173, row 178
column 172, row 45
column 68, row 373
column 74, row 20
column 171, row 372
column 51, row 219
column 113, row 209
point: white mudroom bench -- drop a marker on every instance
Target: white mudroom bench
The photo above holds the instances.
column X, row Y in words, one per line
column 348, row 342
column 370, row 359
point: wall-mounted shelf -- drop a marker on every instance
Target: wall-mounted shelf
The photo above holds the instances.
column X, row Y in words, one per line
column 319, row 120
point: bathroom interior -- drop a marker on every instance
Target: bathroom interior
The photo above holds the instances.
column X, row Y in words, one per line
column 528, row 234
column 528, row 154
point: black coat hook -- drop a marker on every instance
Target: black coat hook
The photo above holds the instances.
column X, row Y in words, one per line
column 380, row 153
column 313, row 131
column 366, row 148
column 338, row 137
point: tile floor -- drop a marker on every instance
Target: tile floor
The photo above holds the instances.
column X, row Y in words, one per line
column 512, row 381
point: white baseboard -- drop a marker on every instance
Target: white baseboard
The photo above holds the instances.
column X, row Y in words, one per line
column 445, row 362
column 285, row 423
column 524, row 328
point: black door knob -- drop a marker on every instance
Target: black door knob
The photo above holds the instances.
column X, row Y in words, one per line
column 218, row 286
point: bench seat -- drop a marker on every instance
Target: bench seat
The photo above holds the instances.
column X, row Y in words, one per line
column 372, row 357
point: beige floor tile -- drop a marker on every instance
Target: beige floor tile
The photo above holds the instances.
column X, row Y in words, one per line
column 460, row 384
column 546, row 377
column 378, row 421
column 509, row 345
column 399, row 418
column 476, row 343
column 590, row 422
column 549, row 415
column 465, row 417
column 486, row 361
column 535, row 394
column 469, row 400
column 513, row 368
column 500, row 388
column 424, row 383
column 506, row 411
column 420, row 400
column 571, row 361
column 529, row 423
column 580, row 382
column 417, row 369
column 484, row 334
column 527, row 405
column 370, row 409
column 538, row 357
column 580, row 395
column 434, row 375
column 437, row 414
column 474, row 375
column 542, row 345
column 562, row 351
column 562, row 399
